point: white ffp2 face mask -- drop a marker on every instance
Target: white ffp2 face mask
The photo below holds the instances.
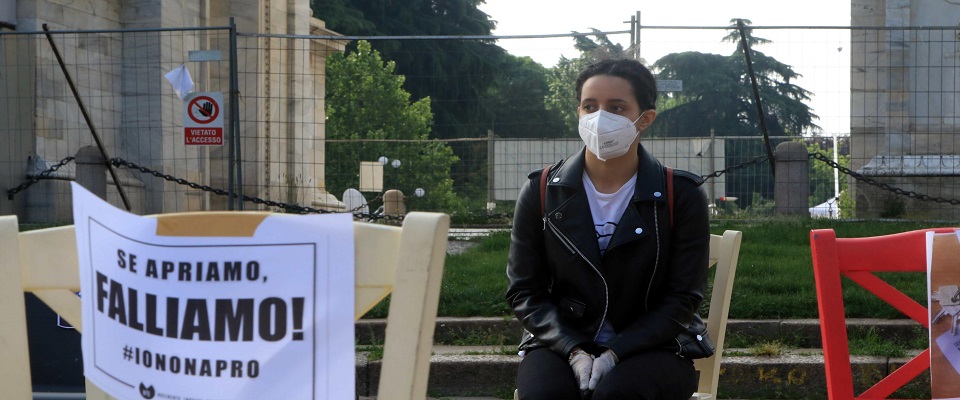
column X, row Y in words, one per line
column 608, row 135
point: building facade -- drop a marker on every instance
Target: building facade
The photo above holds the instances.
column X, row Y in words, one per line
column 905, row 105
column 117, row 58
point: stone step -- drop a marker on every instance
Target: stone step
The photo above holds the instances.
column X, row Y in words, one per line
column 506, row 331
column 459, row 367
column 484, row 371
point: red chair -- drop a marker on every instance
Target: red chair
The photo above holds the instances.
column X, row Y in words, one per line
column 858, row 259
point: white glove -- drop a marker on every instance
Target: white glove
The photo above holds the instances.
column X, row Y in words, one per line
column 601, row 366
column 582, row 364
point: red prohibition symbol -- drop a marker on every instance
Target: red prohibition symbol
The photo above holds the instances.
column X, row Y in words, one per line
column 203, row 110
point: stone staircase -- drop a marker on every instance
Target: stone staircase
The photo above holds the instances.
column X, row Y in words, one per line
column 463, row 368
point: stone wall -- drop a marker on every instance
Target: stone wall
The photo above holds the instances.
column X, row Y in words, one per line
column 138, row 115
column 17, row 113
column 514, row 159
column 903, row 97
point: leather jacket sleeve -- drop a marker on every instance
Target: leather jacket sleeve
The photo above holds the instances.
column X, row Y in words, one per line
column 682, row 287
column 529, row 278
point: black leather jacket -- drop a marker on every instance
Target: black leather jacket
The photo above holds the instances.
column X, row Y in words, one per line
column 648, row 284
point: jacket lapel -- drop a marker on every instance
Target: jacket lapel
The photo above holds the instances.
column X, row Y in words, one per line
column 571, row 213
column 650, row 187
column 569, row 210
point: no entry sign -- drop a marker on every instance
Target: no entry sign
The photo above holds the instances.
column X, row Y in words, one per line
column 203, row 119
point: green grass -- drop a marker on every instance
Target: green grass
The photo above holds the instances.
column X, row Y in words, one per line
column 473, row 283
column 375, row 350
column 774, row 278
column 768, row 349
column 872, row 344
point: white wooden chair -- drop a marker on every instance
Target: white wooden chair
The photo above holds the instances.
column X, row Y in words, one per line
column 407, row 261
column 724, row 253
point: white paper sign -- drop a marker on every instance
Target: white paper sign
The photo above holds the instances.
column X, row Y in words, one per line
column 943, row 276
column 180, row 78
column 949, row 344
column 261, row 316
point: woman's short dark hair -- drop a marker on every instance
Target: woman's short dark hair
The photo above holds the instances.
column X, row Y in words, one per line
column 642, row 80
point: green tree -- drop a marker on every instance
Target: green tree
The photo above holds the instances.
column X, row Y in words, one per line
column 561, row 79
column 718, row 97
column 516, row 101
column 601, row 48
column 342, row 16
column 474, row 85
column 562, row 97
column 455, row 74
column 717, row 94
column 365, row 100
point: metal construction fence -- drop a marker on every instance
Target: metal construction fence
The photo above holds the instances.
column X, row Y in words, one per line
column 885, row 99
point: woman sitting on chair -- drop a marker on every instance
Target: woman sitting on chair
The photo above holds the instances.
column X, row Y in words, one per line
column 609, row 265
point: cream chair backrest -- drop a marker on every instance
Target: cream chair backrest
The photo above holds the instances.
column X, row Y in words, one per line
column 407, row 261
column 724, row 253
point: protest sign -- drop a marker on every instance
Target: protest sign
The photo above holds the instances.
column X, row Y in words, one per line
column 250, row 306
column 943, row 281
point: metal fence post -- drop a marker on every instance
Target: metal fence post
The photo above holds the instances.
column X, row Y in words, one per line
column 491, row 170
column 792, row 180
column 91, row 170
column 236, row 163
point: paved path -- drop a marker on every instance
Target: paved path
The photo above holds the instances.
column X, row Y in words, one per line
column 459, row 246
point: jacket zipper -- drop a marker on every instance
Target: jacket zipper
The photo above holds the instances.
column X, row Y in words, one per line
column 656, row 260
column 570, row 247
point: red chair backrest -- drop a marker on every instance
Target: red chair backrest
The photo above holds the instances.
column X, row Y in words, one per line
column 858, row 259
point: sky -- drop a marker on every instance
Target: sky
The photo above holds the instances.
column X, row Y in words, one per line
column 820, row 55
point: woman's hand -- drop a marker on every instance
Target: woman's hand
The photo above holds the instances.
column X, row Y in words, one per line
column 582, row 364
column 601, row 366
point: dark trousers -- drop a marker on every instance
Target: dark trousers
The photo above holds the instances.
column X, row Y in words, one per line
column 651, row 375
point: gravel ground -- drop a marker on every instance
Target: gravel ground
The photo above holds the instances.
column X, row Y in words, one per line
column 458, row 246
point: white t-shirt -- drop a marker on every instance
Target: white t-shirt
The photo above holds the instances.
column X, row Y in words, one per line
column 606, row 209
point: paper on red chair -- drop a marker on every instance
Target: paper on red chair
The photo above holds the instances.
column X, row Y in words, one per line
column 943, row 289
column 264, row 311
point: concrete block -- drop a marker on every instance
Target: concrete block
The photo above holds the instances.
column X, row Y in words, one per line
column 790, row 376
column 918, row 388
column 498, row 331
column 484, row 375
column 804, row 333
column 792, row 186
column 450, row 331
column 753, row 329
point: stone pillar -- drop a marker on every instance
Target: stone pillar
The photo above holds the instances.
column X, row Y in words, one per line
column 393, row 203
column 91, row 170
column 792, row 185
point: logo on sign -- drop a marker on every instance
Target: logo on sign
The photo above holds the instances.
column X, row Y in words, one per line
column 203, row 110
column 202, row 121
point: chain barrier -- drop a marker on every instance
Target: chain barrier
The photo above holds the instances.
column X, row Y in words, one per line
column 881, row 185
column 360, row 207
column 290, row 208
column 42, row 175
column 293, row 208
column 756, row 160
